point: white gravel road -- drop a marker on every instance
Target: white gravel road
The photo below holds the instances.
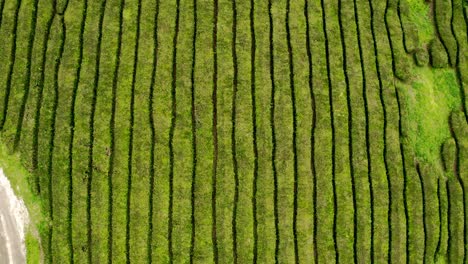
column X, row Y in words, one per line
column 13, row 220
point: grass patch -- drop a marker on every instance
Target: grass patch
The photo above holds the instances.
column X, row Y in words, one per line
column 19, row 178
column 418, row 14
column 33, row 248
column 428, row 102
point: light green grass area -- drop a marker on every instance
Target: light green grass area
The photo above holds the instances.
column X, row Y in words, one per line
column 429, row 100
column 19, row 177
column 33, row 246
column 418, row 13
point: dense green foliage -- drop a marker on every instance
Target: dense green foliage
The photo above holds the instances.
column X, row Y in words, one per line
column 241, row 131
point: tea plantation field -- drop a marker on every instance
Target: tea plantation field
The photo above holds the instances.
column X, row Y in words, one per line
column 241, row 131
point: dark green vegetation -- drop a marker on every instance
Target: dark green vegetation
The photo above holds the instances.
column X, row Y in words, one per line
column 241, row 131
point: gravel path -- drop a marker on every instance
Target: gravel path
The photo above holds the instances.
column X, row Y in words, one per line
column 13, row 218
